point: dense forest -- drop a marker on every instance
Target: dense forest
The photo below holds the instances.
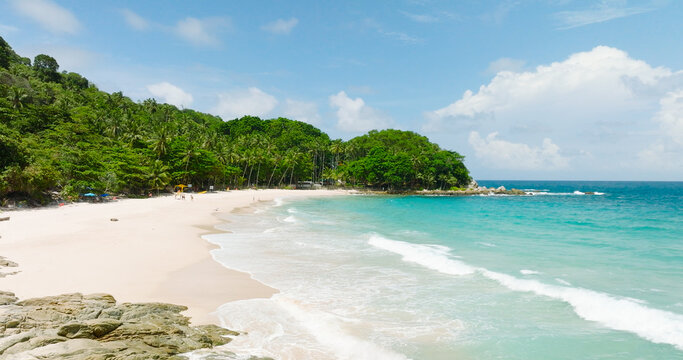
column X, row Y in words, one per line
column 61, row 137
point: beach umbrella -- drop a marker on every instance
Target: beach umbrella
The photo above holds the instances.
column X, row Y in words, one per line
column 104, row 195
column 89, row 195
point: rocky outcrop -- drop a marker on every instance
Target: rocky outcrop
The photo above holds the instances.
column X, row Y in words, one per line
column 479, row 190
column 76, row 326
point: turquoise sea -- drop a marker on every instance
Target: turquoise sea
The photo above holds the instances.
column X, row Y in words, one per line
column 555, row 275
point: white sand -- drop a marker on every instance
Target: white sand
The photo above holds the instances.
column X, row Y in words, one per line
column 154, row 253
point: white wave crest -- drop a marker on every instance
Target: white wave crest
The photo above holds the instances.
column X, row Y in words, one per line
column 289, row 219
column 617, row 313
column 528, row 272
column 622, row 314
column 563, row 282
column 434, row 257
column 278, row 202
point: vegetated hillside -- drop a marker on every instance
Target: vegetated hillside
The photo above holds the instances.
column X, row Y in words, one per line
column 60, row 137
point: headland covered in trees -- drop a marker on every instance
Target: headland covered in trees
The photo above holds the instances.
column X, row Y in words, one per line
column 61, row 137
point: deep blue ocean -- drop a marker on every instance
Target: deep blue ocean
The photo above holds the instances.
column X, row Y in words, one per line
column 555, row 275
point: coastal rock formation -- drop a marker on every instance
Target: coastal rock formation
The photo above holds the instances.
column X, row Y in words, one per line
column 481, row 190
column 76, row 326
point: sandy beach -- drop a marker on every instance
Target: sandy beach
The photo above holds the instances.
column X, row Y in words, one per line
column 153, row 253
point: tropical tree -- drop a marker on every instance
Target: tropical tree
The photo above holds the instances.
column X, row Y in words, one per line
column 158, row 175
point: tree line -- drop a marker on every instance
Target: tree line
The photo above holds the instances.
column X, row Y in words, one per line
column 60, row 136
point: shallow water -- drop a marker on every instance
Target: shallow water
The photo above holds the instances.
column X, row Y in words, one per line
column 557, row 275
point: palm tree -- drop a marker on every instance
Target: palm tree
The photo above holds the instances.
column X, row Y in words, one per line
column 277, row 158
column 160, row 141
column 158, row 175
column 336, row 147
column 190, row 153
column 17, row 97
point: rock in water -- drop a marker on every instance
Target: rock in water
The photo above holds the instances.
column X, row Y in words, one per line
column 75, row 326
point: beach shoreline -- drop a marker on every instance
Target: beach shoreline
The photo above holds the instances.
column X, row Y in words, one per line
column 153, row 252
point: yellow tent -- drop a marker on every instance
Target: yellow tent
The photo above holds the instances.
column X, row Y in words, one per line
column 181, row 186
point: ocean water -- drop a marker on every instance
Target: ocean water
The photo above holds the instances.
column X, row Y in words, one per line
column 556, row 275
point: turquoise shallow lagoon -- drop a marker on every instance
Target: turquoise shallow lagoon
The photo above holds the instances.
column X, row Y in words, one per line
column 556, row 275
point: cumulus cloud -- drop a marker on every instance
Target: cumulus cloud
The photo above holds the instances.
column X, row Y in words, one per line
column 670, row 116
column 252, row 101
column 280, row 26
column 201, row 32
column 134, row 20
column 667, row 151
column 353, row 115
column 301, row 110
column 593, row 79
column 503, row 154
column 171, row 94
column 49, row 15
column 601, row 102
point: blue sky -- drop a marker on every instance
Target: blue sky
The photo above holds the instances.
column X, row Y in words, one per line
column 554, row 89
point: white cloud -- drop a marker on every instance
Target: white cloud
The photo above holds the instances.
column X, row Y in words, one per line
column 134, row 20
column 601, row 102
column 280, row 26
column 670, row 116
column 503, row 154
column 505, row 64
column 49, row 15
column 302, row 111
column 171, row 94
column 592, row 79
column 201, row 32
column 667, row 151
column 354, row 116
column 601, row 12
column 252, row 101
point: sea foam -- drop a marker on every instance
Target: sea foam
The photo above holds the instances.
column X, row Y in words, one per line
column 617, row 313
column 434, row 257
column 290, row 329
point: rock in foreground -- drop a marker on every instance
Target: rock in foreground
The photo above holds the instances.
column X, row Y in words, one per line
column 94, row 327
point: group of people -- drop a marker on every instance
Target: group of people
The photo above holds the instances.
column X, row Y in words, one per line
column 179, row 195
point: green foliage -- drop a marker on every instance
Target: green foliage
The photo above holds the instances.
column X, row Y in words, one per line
column 60, row 134
column 5, row 53
column 396, row 159
column 46, row 67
